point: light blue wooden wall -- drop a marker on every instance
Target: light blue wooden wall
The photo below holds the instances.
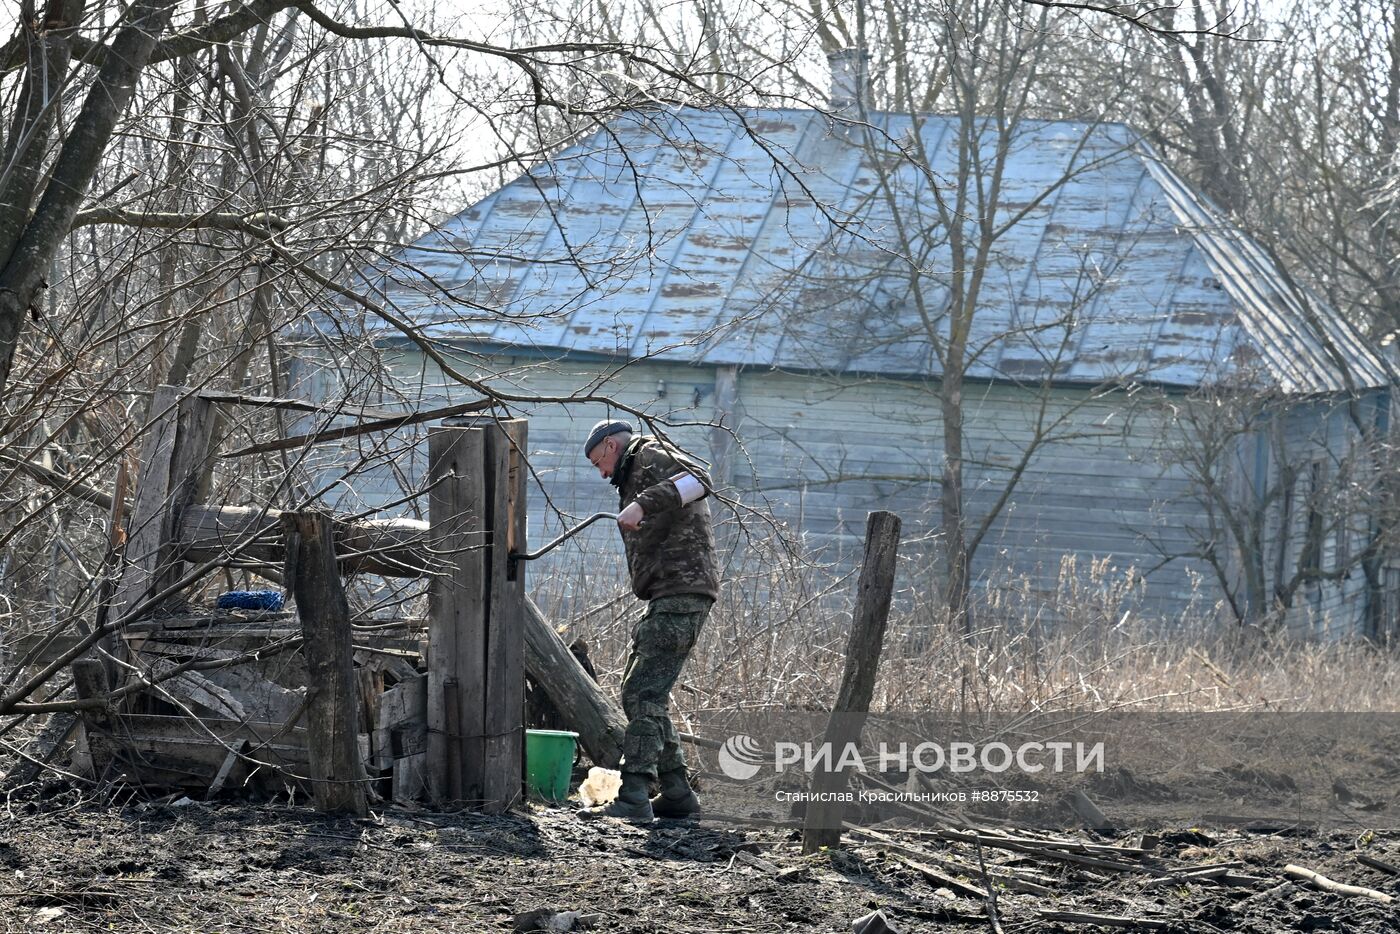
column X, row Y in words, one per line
column 1320, row 437
column 816, row 453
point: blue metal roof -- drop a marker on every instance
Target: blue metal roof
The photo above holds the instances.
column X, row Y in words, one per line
column 772, row 238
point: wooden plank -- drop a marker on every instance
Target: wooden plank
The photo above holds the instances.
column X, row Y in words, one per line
column 388, row 547
column 1375, row 863
column 176, row 448
column 1085, row 807
column 410, row 779
column 402, row 726
column 216, row 731
column 456, row 747
column 194, row 688
column 370, row 685
column 155, row 747
column 231, row 761
column 1110, row 921
column 943, row 879
column 873, row 595
column 397, row 664
column 237, row 690
column 504, row 714
column 517, row 488
column 333, row 708
column 457, row 614
column 90, row 682
column 261, row 697
column 1050, row 851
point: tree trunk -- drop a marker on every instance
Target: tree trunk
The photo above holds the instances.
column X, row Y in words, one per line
column 23, row 274
column 50, row 51
column 957, row 561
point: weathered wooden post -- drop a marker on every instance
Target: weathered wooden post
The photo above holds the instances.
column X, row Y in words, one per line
column 172, row 459
column 504, row 726
column 872, row 611
column 476, row 599
column 332, row 710
column 456, row 458
column 90, row 683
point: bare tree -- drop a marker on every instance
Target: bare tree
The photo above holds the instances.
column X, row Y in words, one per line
column 1290, row 518
column 182, row 185
column 929, row 251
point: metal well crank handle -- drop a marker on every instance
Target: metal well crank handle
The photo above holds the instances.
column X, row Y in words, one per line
column 568, row 534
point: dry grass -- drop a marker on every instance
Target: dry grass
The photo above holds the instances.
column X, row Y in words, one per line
column 778, row 636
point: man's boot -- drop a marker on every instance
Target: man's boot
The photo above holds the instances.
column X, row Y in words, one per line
column 632, row 802
column 677, row 799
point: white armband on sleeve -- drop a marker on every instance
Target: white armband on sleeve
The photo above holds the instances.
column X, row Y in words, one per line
column 688, row 487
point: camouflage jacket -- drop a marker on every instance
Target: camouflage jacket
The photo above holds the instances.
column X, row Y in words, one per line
column 674, row 550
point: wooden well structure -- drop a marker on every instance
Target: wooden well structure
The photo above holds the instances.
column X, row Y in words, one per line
column 415, row 710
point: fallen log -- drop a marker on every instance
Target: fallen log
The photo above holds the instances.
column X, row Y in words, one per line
column 1320, row 881
column 598, row 722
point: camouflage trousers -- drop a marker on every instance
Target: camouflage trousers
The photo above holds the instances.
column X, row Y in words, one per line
column 661, row 642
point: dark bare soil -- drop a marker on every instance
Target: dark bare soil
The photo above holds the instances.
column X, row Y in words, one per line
column 72, row 863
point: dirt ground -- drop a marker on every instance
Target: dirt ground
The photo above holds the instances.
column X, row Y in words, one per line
column 75, row 863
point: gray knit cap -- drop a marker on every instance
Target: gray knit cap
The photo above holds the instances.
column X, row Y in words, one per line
column 605, row 428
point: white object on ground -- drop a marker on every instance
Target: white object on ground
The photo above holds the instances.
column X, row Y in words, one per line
column 600, row 787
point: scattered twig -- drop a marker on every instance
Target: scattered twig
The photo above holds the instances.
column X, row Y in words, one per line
column 1049, row 851
column 1380, row 864
column 1320, row 881
column 989, row 898
column 944, row 880
column 1108, row 921
column 364, row 428
column 1011, row 880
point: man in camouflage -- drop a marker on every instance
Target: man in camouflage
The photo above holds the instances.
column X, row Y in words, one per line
column 670, row 546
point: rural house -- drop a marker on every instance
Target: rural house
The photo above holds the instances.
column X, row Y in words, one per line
column 786, row 275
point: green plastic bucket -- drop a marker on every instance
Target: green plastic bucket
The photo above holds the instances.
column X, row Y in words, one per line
column 549, row 762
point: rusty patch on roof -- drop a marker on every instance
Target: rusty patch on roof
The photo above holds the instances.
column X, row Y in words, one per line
column 1201, row 316
column 719, row 241
column 691, row 290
